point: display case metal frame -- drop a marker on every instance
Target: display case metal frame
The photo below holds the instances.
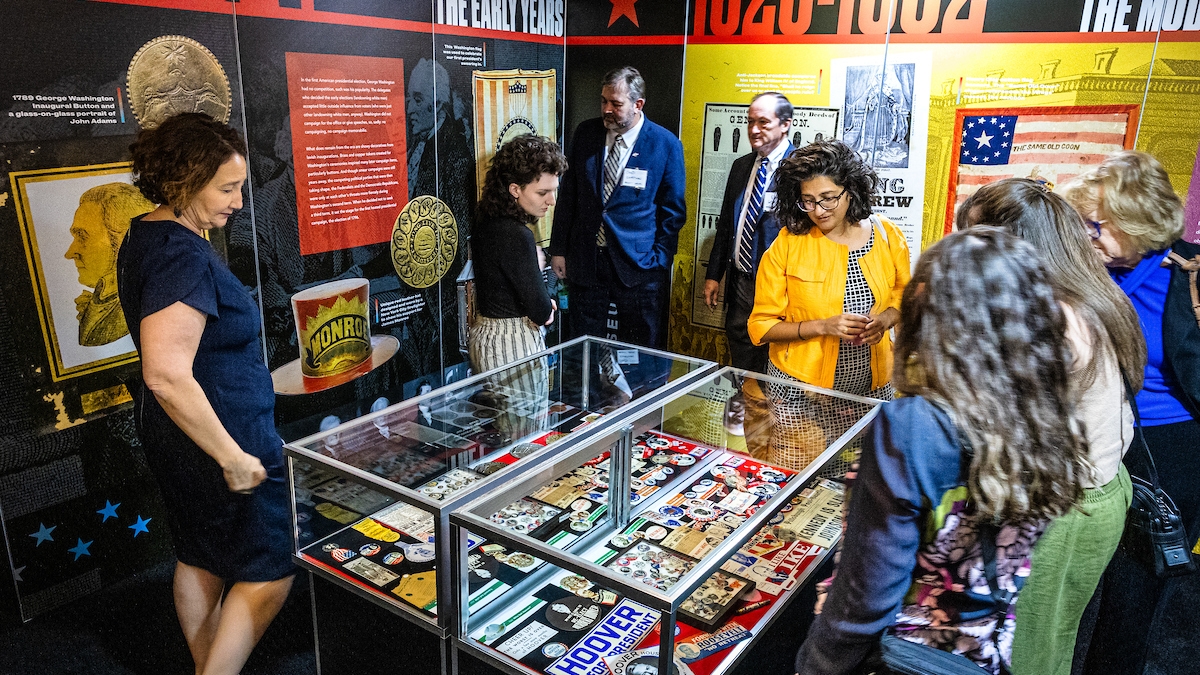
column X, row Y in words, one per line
column 618, row 436
column 441, row 510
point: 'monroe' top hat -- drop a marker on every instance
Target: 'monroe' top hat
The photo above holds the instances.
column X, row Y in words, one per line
column 334, row 331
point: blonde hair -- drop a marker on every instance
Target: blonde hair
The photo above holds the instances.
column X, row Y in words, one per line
column 1131, row 187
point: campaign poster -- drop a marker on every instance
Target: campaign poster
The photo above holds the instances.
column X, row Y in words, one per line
column 511, row 103
column 724, row 141
column 885, row 118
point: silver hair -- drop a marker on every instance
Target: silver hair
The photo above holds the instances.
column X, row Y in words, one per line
column 626, row 76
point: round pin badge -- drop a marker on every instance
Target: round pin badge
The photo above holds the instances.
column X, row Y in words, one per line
column 581, row 505
column 553, row 650
column 658, row 443
column 772, row 475
column 489, row 468
column 520, row 560
column 342, row 554
column 393, row 558
column 763, row 489
column 420, row 553
column 656, row 532
column 573, row 582
column 670, row 511
column 329, row 547
column 493, row 439
column 524, row 450
column 620, row 541
column 661, row 458
column 702, row 513
column 581, row 525
column 682, row 460
column 369, row 549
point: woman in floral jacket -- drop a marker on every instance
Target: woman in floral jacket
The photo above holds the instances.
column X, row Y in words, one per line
column 985, row 434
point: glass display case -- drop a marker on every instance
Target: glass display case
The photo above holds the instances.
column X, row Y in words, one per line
column 372, row 497
column 687, row 525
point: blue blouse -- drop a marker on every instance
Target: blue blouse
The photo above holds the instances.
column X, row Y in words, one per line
column 1160, row 400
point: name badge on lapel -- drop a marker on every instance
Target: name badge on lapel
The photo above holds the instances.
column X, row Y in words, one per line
column 634, row 178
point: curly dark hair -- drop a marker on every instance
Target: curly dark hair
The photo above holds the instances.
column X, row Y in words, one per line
column 837, row 162
column 522, row 160
column 175, row 160
column 982, row 335
column 1028, row 209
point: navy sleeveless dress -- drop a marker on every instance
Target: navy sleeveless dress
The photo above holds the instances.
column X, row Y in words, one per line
column 236, row 537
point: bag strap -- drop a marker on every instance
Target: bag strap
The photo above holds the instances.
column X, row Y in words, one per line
column 1137, row 430
column 878, row 223
column 988, row 532
column 1192, row 267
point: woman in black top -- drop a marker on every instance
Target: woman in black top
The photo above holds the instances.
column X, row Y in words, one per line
column 511, row 297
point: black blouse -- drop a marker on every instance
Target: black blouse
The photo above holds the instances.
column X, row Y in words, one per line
column 508, row 282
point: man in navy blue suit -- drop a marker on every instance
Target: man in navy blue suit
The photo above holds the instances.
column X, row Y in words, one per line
column 746, row 226
column 616, row 226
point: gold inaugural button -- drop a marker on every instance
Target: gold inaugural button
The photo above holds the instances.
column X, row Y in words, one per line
column 173, row 74
column 424, row 241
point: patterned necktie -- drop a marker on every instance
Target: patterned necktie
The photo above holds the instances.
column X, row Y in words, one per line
column 611, row 169
column 745, row 252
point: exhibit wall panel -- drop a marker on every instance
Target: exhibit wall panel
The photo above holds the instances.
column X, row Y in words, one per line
column 1170, row 123
column 352, row 110
column 1075, row 84
column 734, row 53
column 79, row 507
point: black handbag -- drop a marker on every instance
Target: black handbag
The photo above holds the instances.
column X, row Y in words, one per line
column 897, row 656
column 1154, row 532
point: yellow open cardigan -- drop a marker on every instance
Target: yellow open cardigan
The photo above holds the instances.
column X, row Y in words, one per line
column 803, row 278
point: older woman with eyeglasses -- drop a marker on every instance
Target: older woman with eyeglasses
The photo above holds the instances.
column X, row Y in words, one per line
column 1133, row 217
column 828, row 290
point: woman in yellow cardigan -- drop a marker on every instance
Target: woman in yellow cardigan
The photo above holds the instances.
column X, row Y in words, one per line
column 828, row 290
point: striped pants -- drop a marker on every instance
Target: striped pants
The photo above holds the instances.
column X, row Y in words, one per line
column 524, row 388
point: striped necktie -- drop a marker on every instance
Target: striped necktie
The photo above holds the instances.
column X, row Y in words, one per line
column 612, row 167
column 745, row 251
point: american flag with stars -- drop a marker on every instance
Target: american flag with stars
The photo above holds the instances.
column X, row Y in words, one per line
column 1033, row 143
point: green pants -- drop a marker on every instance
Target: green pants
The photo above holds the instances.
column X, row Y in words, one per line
column 1067, row 563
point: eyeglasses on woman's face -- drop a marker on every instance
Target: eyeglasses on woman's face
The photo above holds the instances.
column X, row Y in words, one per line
column 828, row 203
column 1093, row 228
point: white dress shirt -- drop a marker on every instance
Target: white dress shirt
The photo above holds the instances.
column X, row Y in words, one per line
column 629, row 137
column 772, row 161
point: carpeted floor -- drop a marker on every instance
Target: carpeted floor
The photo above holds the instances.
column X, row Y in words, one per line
column 129, row 628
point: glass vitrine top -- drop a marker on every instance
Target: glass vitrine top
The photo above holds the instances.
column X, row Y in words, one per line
column 442, row 443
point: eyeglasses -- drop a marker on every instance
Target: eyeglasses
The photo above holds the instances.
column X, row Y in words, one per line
column 829, row 203
column 1093, row 228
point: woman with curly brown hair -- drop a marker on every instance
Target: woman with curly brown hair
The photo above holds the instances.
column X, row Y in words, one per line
column 206, row 412
column 983, row 450
column 1107, row 342
column 828, row 290
column 512, row 303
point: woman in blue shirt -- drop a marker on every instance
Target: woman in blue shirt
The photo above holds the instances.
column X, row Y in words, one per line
column 1133, row 216
column 206, row 410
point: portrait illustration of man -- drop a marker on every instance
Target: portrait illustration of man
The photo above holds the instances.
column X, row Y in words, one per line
column 97, row 229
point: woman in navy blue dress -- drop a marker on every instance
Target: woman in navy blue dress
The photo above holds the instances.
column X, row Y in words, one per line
column 206, row 410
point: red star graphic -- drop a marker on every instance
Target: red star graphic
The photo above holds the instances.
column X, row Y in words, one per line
column 623, row 8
